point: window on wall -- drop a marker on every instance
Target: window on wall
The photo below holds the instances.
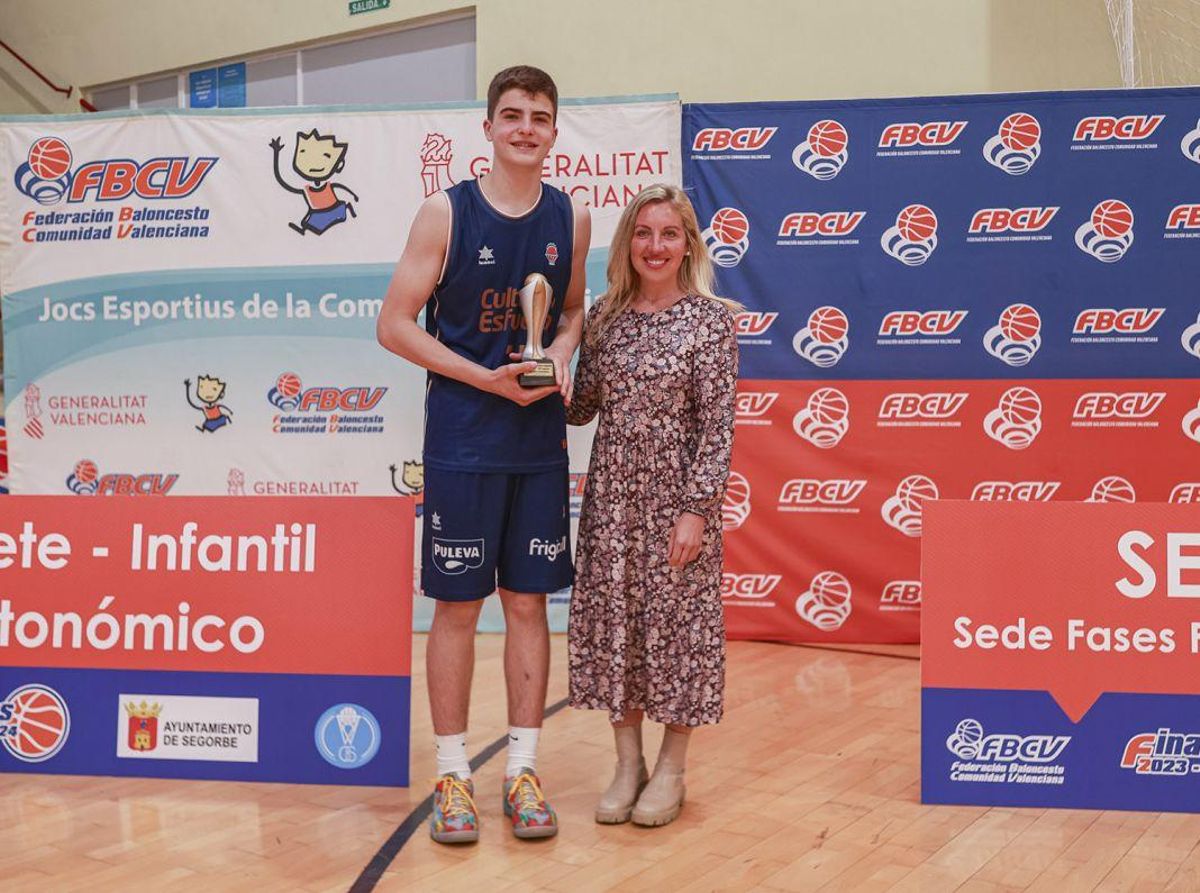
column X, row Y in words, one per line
column 432, row 63
column 272, row 81
column 111, row 98
column 162, row 93
column 435, row 63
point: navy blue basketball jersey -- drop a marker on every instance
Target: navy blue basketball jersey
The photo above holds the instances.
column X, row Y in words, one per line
column 475, row 311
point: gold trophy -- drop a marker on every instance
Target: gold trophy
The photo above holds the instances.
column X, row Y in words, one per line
column 536, row 295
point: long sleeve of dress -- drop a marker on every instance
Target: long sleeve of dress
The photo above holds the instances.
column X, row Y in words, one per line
column 714, row 376
column 585, row 400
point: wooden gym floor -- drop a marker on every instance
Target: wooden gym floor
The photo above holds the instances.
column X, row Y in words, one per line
column 810, row 783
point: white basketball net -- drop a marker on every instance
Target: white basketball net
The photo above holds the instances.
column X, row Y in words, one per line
column 1158, row 41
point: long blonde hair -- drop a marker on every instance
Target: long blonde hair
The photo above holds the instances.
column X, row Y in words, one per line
column 696, row 276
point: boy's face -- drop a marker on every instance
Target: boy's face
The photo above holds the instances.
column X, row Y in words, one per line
column 521, row 130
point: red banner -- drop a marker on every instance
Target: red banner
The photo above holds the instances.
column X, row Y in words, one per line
column 824, row 511
column 1068, row 598
column 281, row 585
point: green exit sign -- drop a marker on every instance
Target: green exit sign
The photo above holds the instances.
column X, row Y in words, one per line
column 357, row 6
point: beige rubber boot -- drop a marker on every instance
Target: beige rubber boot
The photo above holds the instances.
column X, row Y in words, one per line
column 660, row 802
column 630, row 777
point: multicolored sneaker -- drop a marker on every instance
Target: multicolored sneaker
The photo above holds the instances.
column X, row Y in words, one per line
column 455, row 818
column 531, row 815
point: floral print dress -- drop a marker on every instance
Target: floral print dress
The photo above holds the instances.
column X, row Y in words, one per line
column 645, row 635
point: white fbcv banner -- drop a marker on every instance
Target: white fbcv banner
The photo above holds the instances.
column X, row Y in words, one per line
column 189, row 299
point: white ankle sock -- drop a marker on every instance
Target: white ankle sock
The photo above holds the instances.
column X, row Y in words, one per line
column 452, row 755
column 522, row 750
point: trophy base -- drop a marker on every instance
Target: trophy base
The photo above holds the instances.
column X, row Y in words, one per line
column 541, row 376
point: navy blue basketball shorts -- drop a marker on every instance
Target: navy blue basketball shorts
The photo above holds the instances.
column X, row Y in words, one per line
column 486, row 528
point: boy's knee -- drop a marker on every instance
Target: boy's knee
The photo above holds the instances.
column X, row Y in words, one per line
column 520, row 607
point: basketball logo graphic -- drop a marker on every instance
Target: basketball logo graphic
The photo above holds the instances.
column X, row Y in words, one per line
column 34, row 723
column 1191, row 423
column 826, row 604
column 823, row 340
column 46, row 174
column 82, row 479
column 1016, row 145
column 1108, row 234
column 286, row 393
column 727, row 237
column 965, row 740
column 902, row 510
column 1112, row 489
column 913, row 237
column 825, row 419
column 1190, row 144
column 1190, row 339
column 735, row 508
column 1017, row 419
column 50, row 158
column 825, row 151
column 1017, row 337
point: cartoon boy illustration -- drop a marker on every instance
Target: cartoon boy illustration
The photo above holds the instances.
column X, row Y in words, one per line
column 317, row 159
column 209, row 389
column 413, row 478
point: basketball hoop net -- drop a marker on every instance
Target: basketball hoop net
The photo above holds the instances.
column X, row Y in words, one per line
column 1157, row 41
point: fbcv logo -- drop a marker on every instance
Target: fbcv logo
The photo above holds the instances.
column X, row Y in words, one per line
column 1101, row 128
column 1108, row 233
column 85, row 479
column 930, row 134
column 743, row 139
column 914, row 236
column 1033, row 219
column 748, row 585
column 290, row 395
column 727, row 237
column 968, row 742
column 753, row 325
column 46, row 176
column 921, row 322
column 1016, row 145
column 823, row 341
column 824, row 152
column 1126, row 321
column 1016, row 337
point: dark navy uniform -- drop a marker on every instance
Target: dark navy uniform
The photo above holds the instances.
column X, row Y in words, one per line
column 495, row 472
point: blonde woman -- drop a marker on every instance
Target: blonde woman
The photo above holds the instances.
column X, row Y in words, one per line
column 647, row 635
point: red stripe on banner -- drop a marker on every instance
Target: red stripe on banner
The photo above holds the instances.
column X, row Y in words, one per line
column 824, row 512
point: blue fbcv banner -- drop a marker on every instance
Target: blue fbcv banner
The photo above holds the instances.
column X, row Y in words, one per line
column 971, row 297
column 1046, row 235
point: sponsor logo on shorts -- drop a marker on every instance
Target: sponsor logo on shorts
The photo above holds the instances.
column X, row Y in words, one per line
column 548, row 549
column 453, row 557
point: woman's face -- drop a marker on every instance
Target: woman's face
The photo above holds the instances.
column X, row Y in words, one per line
column 658, row 244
